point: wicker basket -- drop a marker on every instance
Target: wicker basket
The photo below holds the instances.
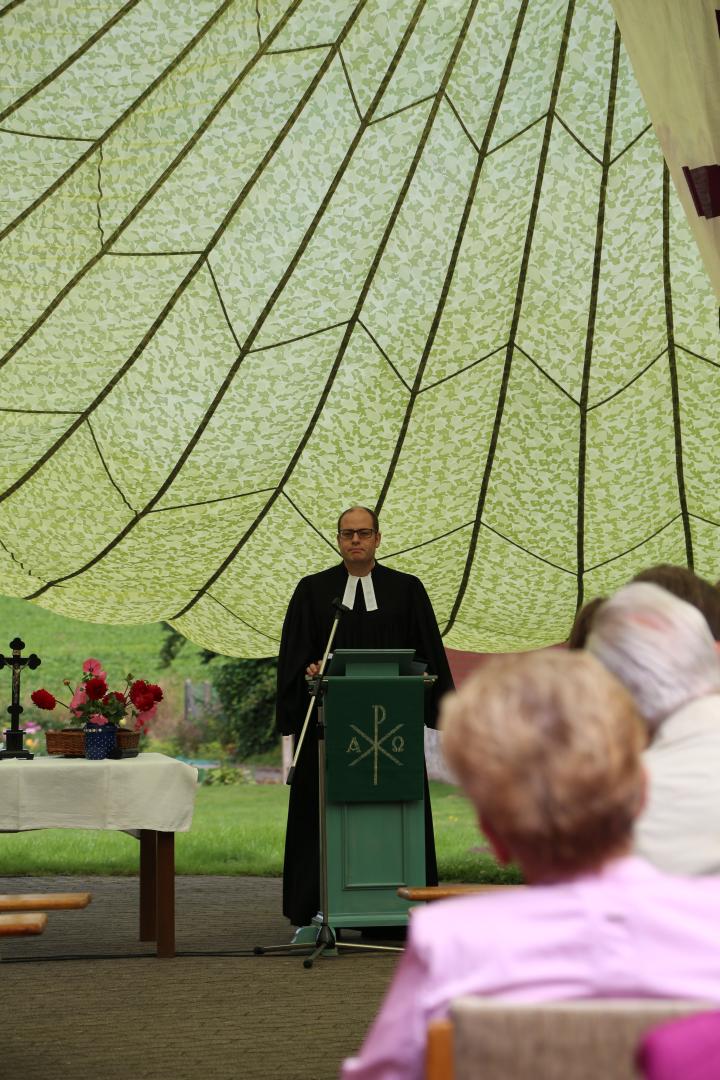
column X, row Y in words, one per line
column 70, row 742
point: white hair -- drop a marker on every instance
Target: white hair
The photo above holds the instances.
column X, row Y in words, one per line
column 658, row 646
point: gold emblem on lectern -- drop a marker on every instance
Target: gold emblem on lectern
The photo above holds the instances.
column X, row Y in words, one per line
column 375, row 742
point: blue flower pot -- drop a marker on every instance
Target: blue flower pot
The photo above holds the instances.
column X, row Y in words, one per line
column 109, row 732
column 99, row 740
column 95, row 743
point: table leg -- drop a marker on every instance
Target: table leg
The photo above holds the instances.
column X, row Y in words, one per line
column 165, row 894
column 148, row 885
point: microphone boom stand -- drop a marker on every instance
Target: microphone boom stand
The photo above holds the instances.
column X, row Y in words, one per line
column 320, row 938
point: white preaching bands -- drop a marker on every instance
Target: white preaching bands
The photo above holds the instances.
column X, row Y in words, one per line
column 368, row 592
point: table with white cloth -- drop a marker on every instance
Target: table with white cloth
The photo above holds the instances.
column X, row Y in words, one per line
column 150, row 795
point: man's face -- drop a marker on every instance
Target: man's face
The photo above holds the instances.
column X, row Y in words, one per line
column 358, row 552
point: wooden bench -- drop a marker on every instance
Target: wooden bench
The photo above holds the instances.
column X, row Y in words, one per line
column 44, row 901
column 23, row 914
column 421, row 893
column 22, row 924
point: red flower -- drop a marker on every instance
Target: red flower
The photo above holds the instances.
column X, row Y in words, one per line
column 43, row 699
column 156, row 692
column 142, row 695
column 113, row 695
column 96, row 688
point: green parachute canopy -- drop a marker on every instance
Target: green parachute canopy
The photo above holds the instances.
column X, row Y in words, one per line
column 264, row 260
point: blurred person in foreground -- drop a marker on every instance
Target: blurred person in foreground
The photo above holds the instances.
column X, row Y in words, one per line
column 678, row 580
column 548, row 748
column 661, row 649
column 687, row 585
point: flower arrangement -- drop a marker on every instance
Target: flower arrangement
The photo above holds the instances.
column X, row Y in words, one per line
column 93, row 703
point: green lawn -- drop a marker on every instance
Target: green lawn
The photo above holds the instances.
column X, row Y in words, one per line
column 63, row 644
column 237, row 829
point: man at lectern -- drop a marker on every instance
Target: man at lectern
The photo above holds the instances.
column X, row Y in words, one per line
column 387, row 610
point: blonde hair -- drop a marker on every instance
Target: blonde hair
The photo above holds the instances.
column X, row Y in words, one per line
column 547, row 746
column 659, row 647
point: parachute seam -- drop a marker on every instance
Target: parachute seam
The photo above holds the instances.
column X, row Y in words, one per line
column 168, row 306
column 251, row 336
column 298, row 337
column 698, row 356
column 706, row 520
column 460, row 121
column 346, row 73
column 99, row 197
column 546, row 374
column 672, row 368
column 454, row 255
column 9, row 7
column 629, row 145
column 578, row 140
column 517, row 134
column 105, row 466
column 175, row 62
column 627, row 385
column 307, row 521
column 402, row 109
column 208, row 502
column 592, row 315
column 425, row 543
column 462, row 370
column 495, row 434
column 237, row 618
column 219, row 295
column 369, row 277
column 352, row 322
column 628, row 551
column 382, row 352
column 69, row 60
column 41, row 135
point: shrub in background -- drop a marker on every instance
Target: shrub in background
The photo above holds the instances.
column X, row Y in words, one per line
column 246, row 690
column 244, row 724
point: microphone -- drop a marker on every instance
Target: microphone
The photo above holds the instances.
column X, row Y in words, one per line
column 338, row 605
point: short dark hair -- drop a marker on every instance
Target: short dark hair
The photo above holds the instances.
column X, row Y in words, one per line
column 373, row 515
column 583, row 623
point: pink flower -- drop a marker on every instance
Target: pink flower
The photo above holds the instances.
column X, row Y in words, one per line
column 94, row 667
column 97, row 718
column 78, row 698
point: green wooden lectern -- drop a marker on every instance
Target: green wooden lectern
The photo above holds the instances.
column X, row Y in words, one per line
column 374, row 807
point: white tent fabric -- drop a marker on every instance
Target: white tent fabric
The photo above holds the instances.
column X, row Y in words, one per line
column 675, row 52
column 262, row 260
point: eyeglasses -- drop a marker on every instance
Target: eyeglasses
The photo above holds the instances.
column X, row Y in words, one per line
column 363, row 534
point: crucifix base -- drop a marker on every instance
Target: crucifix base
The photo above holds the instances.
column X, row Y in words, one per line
column 14, row 745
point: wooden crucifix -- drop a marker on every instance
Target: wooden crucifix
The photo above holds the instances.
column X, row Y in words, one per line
column 14, row 735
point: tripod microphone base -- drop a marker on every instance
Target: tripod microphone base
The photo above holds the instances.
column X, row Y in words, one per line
column 319, row 939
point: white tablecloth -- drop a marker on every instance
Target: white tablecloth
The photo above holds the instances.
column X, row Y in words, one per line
column 151, row 791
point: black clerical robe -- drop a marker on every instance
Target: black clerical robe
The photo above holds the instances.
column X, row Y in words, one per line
column 404, row 620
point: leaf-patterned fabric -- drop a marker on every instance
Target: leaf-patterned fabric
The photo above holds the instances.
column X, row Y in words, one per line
column 262, row 260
